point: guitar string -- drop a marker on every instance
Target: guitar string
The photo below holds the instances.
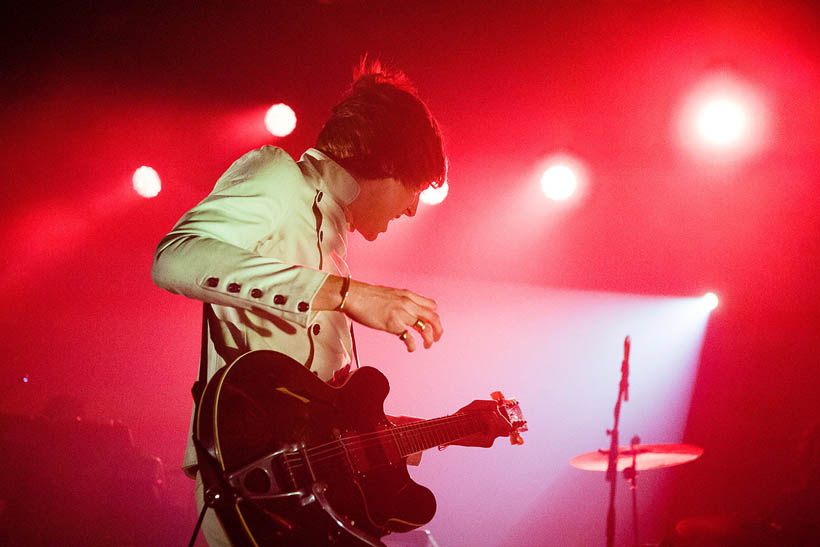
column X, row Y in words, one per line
column 363, row 441
column 341, row 448
column 456, row 419
column 338, row 447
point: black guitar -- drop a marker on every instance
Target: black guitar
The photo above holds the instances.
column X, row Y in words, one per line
column 304, row 463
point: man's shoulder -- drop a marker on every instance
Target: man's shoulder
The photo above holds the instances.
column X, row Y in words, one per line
column 267, row 162
column 268, row 153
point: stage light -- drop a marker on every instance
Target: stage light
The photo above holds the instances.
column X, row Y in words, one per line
column 280, row 120
column 146, row 182
column 559, row 182
column 562, row 177
column 434, row 196
column 710, row 300
column 723, row 119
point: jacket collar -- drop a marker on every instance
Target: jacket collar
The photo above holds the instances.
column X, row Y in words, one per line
column 339, row 183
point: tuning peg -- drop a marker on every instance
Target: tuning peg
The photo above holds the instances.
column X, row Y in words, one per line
column 516, row 438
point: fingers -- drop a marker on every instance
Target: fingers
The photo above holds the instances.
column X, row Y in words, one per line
column 395, row 311
column 426, row 331
column 408, row 340
column 426, row 323
column 422, row 301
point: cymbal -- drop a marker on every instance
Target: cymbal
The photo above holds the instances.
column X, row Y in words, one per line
column 647, row 456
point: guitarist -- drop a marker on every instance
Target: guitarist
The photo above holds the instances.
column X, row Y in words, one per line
column 266, row 249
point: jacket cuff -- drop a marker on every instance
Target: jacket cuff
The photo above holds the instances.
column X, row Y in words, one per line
column 292, row 300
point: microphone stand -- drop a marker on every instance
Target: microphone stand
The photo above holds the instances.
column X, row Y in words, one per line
column 612, row 466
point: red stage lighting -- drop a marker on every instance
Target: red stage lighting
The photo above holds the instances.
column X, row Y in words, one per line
column 434, row 196
column 146, row 182
column 280, row 120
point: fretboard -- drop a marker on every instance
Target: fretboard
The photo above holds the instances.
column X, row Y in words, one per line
column 418, row 436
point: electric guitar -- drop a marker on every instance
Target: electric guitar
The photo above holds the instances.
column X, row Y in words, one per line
column 302, row 463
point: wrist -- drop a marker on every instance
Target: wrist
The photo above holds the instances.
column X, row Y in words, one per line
column 345, row 291
column 331, row 295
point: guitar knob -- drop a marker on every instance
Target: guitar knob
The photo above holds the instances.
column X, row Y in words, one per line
column 497, row 396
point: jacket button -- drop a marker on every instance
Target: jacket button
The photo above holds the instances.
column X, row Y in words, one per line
column 303, row 307
column 280, row 299
column 316, row 329
column 321, row 235
column 319, row 197
column 256, row 293
column 212, row 281
column 234, row 287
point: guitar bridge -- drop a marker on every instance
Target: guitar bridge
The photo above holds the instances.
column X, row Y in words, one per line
column 257, row 480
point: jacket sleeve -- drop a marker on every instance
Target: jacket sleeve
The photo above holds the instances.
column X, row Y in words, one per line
column 210, row 253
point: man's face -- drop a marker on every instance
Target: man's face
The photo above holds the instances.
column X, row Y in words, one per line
column 380, row 201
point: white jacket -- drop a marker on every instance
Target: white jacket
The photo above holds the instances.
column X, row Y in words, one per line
column 258, row 248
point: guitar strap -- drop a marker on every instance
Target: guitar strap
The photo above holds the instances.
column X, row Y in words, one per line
column 202, row 379
column 208, row 468
column 355, row 351
column 213, row 487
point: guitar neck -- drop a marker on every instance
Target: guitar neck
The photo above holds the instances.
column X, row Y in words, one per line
column 418, row 436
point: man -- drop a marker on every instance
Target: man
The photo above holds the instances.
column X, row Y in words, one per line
column 267, row 248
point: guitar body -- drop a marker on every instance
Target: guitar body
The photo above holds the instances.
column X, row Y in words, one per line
column 266, row 402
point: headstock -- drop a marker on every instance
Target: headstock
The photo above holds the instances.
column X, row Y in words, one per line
column 511, row 411
column 500, row 418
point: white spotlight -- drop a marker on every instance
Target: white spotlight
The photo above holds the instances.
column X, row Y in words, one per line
column 434, row 196
column 723, row 122
column 710, row 300
column 280, row 120
column 559, row 182
column 146, row 182
column 562, row 177
column 723, row 119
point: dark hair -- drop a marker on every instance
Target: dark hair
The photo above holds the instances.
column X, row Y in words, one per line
column 382, row 129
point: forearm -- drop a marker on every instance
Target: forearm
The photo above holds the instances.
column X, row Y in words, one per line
column 329, row 296
column 217, row 272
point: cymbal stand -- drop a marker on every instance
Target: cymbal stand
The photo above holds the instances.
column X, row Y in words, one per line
column 612, row 466
column 631, row 475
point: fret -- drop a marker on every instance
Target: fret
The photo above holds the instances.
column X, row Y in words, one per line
column 419, row 436
column 401, row 441
column 396, row 439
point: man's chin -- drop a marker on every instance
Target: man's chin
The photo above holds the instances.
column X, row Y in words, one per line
column 371, row 236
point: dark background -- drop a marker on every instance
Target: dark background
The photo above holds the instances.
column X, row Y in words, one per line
column 91, row 91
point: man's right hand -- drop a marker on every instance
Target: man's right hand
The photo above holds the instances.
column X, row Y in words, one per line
column 394, row 311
